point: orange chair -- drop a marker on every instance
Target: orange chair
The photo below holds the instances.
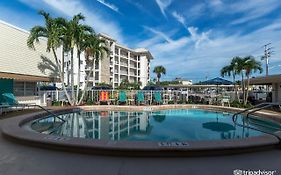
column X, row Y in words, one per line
column 104, row 97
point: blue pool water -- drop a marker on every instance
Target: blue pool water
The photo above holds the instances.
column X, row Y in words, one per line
column 166, row 125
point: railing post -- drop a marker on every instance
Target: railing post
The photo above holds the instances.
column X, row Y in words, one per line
column 57, row 95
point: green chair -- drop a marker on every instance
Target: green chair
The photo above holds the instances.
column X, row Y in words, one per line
column 140, row 97
column 10, row 99
column 158, row 97
column 122, row 97
column 10, row 102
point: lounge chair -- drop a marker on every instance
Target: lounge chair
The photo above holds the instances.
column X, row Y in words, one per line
column 10, row 102
column 122, row 97
column 140, row 97
column 157, row 97
column 104, row 97
column 225, row 100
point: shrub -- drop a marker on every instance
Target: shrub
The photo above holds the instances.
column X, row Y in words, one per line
column 238, row 104
column 171, row 102
column 56, row 103
column 90, row 102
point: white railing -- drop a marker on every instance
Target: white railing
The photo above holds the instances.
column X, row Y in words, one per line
column 168, row 96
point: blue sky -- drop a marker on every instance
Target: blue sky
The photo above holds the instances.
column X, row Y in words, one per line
column 193, row 39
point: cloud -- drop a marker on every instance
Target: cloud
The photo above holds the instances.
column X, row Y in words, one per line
column 72, row 7
column 161, row 34
column 163, row 4
column 198, row 38
column 215, row 3
column 181, row 59
column 178, row 17
column 111, row 6
column 244, row 11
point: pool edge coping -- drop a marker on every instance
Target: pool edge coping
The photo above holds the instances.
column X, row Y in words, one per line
column 12, row 130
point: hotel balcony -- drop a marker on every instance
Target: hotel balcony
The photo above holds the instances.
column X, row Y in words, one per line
column 124, row 64
column 124, row 72
column 133, row 66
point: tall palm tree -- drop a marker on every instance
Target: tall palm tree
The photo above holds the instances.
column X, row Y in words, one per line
column 238, row 67
column 95, row 48
column 250, row 66
column 159, row 70
column 226, row 71
column 52, row 31
column 73, row 36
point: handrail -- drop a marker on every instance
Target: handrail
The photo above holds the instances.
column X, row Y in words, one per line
column 46, row 110
column 248, row 109
column 41, row 107
column 259, row 107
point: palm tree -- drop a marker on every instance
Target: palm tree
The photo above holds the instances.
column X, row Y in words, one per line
column 232, row 69
column 53, row 32
column 237, row 63
column 81, row 33
column 159, row 70
column 226, row 71
column 95, row 48
column 74, row 35
column 250, row 66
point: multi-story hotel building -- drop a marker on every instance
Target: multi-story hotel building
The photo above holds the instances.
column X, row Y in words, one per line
column 121, row 64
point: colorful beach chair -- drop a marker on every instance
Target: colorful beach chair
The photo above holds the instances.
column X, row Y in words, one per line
column 104, row 97
column 157, row 97
column 140, row 97
column 122, row 98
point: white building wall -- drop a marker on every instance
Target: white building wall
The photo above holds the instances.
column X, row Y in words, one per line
column 143, row 70
column 111, row 72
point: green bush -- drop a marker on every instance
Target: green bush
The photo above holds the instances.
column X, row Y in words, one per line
column 90, row 102
column 171, row 102
column 238, row 104
column 56, row 103
column 181, row 102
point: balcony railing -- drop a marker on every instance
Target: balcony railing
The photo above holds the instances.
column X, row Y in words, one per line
column 124, row 64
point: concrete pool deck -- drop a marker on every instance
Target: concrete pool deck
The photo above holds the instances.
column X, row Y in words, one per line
column 16, row 159
column 24, row 160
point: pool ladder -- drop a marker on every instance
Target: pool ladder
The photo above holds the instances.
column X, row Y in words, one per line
column 252, row 110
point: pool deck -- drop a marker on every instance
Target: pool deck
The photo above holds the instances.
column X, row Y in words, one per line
column 17, row 159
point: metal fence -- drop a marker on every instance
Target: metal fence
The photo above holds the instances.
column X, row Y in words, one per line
column 168, row 97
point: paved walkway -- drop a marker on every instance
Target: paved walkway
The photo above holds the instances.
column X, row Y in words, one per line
column 16, row 159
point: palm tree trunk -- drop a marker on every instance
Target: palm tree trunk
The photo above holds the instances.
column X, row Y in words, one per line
column 247, row 90
column 72, row 77
column 62, row 66
column 235, row 90
column 158, row 78
column 60, row 73
column 86, row 84
column 78, row 76
column 243, row 86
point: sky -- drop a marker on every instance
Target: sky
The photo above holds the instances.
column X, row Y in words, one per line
column 192, row 39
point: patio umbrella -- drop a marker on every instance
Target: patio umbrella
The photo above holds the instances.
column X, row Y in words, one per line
column 217, row 81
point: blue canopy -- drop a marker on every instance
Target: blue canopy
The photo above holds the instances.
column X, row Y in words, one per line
column 217, row 81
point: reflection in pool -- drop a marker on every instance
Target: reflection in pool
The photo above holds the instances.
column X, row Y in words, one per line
column 166, row 125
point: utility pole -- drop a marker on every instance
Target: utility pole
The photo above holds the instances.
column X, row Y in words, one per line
column 267, row 54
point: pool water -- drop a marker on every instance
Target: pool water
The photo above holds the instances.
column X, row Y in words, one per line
column 165, row 125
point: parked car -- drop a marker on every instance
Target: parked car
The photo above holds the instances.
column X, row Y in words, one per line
column 153, row 88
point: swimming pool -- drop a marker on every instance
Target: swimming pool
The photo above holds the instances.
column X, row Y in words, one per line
column 164, row 125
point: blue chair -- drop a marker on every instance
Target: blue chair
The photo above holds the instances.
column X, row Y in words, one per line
column 158, row 97
column 122, row 97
